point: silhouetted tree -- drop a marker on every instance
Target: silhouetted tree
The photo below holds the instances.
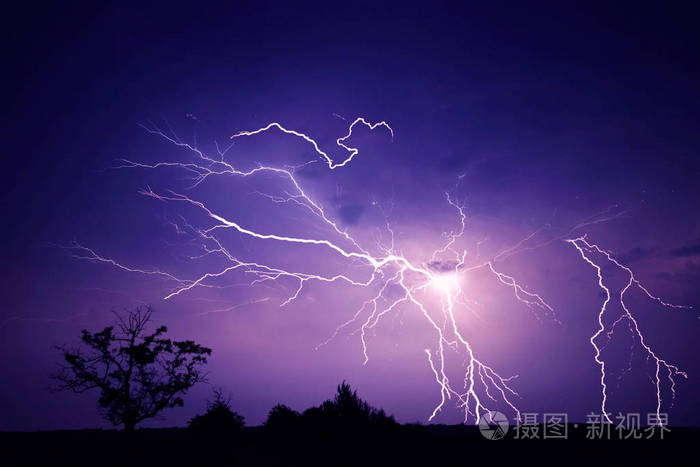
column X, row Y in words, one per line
column 346, row 412
column 282, row 419
column 349, row 406
column 219, row 417
column 138, row 374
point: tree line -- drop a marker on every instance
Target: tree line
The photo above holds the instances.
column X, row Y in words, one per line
column 140, row 373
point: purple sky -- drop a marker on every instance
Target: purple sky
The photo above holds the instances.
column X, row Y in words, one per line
column 545, row 117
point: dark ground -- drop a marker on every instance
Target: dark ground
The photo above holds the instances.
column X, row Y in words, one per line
column 404, row 445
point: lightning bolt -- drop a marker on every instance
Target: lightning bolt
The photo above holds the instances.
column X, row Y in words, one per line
column 587, row 251
column 481, row 386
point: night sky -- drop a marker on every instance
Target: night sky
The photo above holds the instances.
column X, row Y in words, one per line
column 534, row 118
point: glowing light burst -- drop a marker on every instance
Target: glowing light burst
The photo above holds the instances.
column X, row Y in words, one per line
column 481, row 388
column 445, row 284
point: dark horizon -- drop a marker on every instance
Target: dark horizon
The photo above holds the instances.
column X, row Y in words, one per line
column 542, row 122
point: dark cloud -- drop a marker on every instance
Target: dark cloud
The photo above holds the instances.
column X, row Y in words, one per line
column 636, row 254
column 687, row 251
column 442, row 266
column 351, row 213
column 690, row 274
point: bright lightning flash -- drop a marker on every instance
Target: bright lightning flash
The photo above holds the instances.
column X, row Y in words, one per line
column 445, row 284
column 375, row 269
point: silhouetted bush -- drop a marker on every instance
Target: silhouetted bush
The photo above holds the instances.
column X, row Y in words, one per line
column 282, row 419
column 345, row 415
column 219, row 418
